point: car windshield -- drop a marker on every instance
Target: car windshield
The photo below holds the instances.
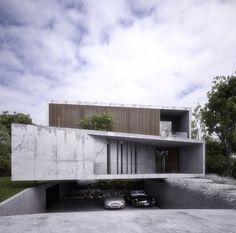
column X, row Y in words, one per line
column 138, row 193
column 142, row 198
column 116, row 194
column 112, row 194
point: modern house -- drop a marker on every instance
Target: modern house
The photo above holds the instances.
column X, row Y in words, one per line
column 147, row 142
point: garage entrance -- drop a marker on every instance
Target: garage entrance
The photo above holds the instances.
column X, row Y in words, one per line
column 90, row 196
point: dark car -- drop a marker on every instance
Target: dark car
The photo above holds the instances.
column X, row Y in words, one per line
column 139, row 198
column 95, row 194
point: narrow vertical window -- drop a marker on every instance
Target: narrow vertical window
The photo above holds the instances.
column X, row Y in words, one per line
column 121, row 157
column 108, row 158
column 127, row 147
column 135, row 159
column 117, row 158
column 131, row 159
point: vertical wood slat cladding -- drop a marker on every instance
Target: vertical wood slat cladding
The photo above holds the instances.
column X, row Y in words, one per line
column 128, row 120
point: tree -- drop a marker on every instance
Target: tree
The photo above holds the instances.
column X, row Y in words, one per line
column 214, row 157
column 219, row 115
column 5, row 148
column 99, row 121
column 197, row 124
column 6, row 119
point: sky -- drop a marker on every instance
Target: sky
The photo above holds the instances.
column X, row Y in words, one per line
column 162, row 53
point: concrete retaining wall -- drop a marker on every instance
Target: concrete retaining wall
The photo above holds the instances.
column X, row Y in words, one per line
column 30, row 201
column 170, row 196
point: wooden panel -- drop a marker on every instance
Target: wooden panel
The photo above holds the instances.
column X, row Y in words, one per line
column 129, row 120
column 173, row 160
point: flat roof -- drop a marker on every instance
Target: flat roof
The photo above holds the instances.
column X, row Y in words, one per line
column 120, row 105
column 146, row 139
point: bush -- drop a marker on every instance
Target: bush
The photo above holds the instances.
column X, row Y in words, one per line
column 5, row 166
column 99, row 121
column 214, row 157
column 6, row 119
column 5, row 150
column 234, row 169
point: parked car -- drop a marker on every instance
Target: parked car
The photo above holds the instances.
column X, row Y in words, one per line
column 139, row 198
column 136, row 193
column 113, row 200
column 95, row 194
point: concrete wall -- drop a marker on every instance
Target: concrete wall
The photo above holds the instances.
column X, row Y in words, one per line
column 125, row 163
column 46, row 153
column 100, row 160
column 146, row 159
column 191, row 159
column 169, row 196
column 49, row 153
column 31, row 200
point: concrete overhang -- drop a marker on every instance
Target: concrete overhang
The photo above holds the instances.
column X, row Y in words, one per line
column 147, row 139
column 142, row 176
column 166, row 108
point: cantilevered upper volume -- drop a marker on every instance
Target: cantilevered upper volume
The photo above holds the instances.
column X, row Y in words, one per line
column 150, row 120
column 148, row 142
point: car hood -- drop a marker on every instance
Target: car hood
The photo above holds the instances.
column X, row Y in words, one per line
column 114, row 199
column 143, row 198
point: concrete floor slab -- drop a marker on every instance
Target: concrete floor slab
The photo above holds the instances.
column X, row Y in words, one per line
column 119, row 221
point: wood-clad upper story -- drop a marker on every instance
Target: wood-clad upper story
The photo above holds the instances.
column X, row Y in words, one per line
column 147, row 120
column 128, row 119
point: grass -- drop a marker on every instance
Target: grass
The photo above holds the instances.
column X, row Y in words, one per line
column 221, row 179
column 9, row 188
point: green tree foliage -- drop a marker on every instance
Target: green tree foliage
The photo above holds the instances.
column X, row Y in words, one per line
column 4, row 151
column 214, row 157
column 99, row 121
column 219, row 115
column 197, row 124
column 6, row 119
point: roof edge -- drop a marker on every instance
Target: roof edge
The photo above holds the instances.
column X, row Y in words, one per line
column 120, row 105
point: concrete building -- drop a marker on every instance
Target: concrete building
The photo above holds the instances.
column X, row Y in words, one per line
column 147, row 142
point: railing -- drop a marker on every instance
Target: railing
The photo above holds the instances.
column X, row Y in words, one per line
column 174, row 134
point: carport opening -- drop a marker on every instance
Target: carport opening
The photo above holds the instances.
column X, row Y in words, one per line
column 89, row 195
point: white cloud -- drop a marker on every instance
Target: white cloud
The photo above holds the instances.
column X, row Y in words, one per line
column 155, row 52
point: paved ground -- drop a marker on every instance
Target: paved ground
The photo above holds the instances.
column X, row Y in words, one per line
column 114, row 221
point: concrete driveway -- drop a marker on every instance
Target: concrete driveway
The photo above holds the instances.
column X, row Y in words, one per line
column 115, row 221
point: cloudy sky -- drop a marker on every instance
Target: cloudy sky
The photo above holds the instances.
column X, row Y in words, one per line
column 121, row 51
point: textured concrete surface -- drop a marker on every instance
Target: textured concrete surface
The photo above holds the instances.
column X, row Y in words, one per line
column 211, row 189
column 146, row 221
column 200, row 193
column 51, row 153
column 29, row 201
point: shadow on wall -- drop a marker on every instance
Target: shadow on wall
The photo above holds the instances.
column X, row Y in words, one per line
column 34, row 200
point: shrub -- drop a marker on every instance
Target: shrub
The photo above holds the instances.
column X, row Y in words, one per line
column 214, row 157
column 99, row 121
